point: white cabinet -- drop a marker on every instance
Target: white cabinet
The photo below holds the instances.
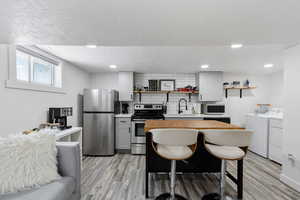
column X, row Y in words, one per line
column 126, row 84
column 275, row 140
column 123, row 133
column 210, row 86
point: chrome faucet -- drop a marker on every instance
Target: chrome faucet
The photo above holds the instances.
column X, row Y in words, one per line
column 179, row 105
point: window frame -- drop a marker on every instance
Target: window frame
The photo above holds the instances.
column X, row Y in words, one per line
column 33, row 77
column 29, row 69
column 14, row 83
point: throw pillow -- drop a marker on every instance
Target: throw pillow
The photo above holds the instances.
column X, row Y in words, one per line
column 27, row 161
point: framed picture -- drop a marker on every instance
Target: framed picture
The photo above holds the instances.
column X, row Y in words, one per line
column 167, row 85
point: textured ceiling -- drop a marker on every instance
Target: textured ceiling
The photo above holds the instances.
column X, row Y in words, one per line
column 150, row 22
column 249, row 59
column 156, row 35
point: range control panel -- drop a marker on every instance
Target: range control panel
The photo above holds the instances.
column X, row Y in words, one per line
column 148, row 107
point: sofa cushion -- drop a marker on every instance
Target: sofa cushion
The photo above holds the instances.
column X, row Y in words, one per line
column 61, row 189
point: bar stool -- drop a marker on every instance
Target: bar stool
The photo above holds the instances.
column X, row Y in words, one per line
column 174, row 144
column 225, row 145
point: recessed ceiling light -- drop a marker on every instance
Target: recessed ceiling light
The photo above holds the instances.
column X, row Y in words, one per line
column 236, row 46
column 113, row 66
column 268, row 65
column 91, row 46
column 204, row 66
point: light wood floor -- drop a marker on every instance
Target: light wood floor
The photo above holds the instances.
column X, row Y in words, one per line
column 122, row 178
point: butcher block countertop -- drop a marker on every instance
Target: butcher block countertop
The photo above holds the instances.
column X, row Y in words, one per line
column 188, row 124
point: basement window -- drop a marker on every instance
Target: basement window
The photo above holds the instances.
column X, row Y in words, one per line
column 33, row 69
column 37, row 69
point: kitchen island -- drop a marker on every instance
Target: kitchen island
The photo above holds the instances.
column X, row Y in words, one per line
column 200, row 162
column 188, row 124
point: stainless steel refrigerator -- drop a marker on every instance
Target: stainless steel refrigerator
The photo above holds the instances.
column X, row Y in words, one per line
column 99, row 108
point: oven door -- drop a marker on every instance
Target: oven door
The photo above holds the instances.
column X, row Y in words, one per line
column 138, row 135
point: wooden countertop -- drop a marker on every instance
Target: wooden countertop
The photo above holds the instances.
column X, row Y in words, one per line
column 188, row 124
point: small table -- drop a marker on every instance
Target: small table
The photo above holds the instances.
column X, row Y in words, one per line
column 156, row 164
column 73, row 134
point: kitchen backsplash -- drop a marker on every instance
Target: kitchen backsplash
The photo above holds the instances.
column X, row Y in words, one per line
column 182, row 80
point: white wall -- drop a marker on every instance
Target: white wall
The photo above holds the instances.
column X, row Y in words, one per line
column 182, row 80
column 269, row 90
column 24, row 109
column 110, row 81
column 291, row 168
column 276, row 89
column 107, row 80
column 265, row 93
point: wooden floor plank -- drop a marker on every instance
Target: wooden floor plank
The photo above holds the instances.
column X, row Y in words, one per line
column 122, row 177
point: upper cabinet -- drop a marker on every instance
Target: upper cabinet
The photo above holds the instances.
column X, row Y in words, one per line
column 126, row 84
column 210, row 86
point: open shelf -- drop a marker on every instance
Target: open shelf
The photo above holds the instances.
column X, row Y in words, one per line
column 238, row 88
column 165, row 92
column 241, row 88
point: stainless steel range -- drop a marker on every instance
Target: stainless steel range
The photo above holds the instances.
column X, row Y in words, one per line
column 143, row 112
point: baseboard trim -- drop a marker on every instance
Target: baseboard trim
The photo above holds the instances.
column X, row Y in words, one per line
column 290, row 182
column 123, row 151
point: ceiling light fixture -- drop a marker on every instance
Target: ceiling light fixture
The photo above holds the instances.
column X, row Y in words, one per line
column 268, row 65
column 204, row 66
column 91, row 46
column 236, row 46
column 113, row 66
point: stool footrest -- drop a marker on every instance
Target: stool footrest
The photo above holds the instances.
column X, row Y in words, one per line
column 215, row 196
column 167, row 196
column 211, row 196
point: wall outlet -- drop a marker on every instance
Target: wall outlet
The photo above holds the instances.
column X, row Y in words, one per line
column 291, row 157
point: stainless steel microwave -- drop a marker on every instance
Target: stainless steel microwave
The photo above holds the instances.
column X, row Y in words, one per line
column 213, row 109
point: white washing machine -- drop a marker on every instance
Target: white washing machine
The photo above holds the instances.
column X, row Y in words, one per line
column 259, row 123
